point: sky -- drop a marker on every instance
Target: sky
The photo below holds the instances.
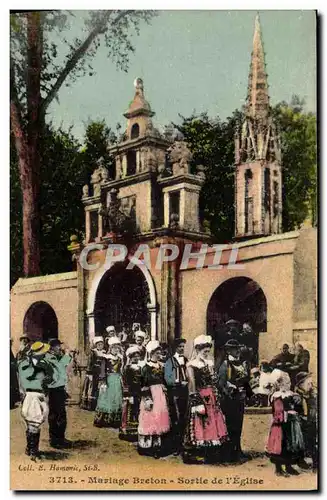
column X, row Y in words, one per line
column 194, row 61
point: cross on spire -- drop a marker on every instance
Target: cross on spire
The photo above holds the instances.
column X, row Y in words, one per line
column 257, row 102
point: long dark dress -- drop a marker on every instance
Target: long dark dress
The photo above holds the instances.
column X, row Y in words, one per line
column 206, row 428
column 232, row 379
column 131, row 402
column 90, row 390
column 285, row 442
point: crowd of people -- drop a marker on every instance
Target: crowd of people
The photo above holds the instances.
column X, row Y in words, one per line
column 168, row 404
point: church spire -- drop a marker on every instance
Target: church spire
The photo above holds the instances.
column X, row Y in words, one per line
column 257, row 102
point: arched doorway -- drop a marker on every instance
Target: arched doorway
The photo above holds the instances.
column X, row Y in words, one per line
column 122, row 297
column 40, row 322
column 240, row 299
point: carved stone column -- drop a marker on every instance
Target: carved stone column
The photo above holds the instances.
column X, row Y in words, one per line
column 153, row 321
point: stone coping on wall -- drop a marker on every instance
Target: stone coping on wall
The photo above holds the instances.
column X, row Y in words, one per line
column 47, row 282
column 305, row 325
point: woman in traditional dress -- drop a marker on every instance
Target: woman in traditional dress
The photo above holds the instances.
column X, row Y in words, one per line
column 205, row 428
column 110, row 399
column 154, row 422
column 90, row 390
column 132, row 394
column 285, row 444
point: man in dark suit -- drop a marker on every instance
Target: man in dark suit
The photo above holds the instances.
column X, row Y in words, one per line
column 177, row 383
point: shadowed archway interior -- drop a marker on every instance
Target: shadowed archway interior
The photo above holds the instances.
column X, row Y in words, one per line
column 122, row 298
column 40, row 322
column 240, row 299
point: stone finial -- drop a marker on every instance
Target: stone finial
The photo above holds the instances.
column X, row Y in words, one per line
column 200, row 171
column 180, row 157
column 86, row 191
column 139, row 86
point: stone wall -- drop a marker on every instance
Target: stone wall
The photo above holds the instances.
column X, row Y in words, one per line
column 60, row 291
column 306, row 333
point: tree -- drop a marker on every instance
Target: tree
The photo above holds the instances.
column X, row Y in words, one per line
column 212, row 144
column 36, row 76
column 65, row 167
column 96, row 140
column 298, row 132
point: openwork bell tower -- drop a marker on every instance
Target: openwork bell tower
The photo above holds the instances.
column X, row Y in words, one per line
column 258, row 179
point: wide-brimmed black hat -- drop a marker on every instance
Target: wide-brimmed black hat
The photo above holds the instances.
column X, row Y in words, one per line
column 54, row 342
column 232, row 343
column 301, row 376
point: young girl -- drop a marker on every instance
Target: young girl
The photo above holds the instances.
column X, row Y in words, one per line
column 154, row 422
column 205, row 429
column 285, row 442
column 132, row 394
column 91, row 383
column 110, row 400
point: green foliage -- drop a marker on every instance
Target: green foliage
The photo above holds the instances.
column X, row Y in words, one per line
column 65, row 58
column 212, row 144
column 298, row 132
column 66, row 167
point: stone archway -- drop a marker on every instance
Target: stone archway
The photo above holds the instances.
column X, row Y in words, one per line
column 240, row 299
column 40, row 322
column 112, row 295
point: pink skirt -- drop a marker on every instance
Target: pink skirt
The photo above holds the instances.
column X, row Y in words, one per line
column 155, row 421
column 210, row 429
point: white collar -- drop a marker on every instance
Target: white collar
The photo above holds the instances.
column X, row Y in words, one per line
column 200, row 363
column 282, row 394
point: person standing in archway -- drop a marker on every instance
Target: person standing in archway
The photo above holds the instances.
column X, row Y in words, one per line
column 233, row 376
column 24, row 347
column 139, row 337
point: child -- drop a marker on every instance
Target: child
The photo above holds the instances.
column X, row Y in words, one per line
column 285, row 442
column 304, row 387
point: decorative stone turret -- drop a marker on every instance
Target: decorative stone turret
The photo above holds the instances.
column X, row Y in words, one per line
column 258, row 180
column 153, row 189
column 181, row 190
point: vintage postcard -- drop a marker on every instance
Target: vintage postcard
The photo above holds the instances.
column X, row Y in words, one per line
column 163, row 232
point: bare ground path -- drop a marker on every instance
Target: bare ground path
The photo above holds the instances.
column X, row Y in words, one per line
column 100, row 460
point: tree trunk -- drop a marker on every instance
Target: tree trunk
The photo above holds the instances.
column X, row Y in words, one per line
column 29, row 157
column 31, row 215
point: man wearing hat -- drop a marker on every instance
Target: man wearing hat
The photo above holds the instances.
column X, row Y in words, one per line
column 177, row 383
column 35, row 375
column 139, row 336
column 304, row 387
column 233, row 375
column 24, row 347
column 59, row 360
